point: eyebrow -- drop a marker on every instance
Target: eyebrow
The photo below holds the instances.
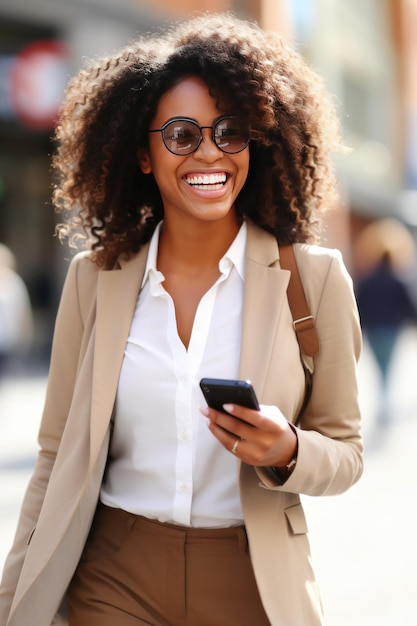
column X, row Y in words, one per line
column 185, row 118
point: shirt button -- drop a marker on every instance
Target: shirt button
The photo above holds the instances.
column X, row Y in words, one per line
column 224, row 265
column 184, row 436
column 183, row 488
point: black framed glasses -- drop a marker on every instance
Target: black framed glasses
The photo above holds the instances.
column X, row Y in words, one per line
column 182, row 135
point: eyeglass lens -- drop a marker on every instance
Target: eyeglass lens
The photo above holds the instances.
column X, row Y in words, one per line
column 183, row 136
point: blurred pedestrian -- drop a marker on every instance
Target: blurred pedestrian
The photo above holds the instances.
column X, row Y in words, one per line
column 192, row 158
column 385, row 254
column 16, row 320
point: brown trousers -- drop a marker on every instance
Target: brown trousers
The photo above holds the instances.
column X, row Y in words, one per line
column 137, row 571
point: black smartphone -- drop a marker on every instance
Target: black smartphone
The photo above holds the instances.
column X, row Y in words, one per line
column 219, row 391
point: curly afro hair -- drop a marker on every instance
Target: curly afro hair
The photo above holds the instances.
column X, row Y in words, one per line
column 113, row 207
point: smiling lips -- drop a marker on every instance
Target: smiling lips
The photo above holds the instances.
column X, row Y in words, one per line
column 206, row 182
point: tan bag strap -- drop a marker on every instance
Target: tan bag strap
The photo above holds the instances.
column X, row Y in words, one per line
column 303, row 321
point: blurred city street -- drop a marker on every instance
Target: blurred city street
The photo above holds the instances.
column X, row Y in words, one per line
column 363, row 543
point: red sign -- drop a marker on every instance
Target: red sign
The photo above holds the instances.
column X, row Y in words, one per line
column 37, row 80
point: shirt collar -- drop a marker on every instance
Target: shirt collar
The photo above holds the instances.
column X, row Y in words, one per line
column 235, row 255
column 152, row 256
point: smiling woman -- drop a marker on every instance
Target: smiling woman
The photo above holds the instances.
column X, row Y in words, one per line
column 184, row 163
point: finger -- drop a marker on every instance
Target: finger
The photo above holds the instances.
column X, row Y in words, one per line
column 227, row 438
column 230, row 424
column 268, row 418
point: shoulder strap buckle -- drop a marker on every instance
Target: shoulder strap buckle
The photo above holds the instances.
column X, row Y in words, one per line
column 303, row 321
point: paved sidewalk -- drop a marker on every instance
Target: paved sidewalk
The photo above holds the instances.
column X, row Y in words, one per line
column 21, row 402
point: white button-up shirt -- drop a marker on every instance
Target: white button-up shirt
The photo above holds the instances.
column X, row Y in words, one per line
column 165, row 464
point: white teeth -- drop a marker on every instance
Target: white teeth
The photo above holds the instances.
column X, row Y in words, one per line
column 206, row 179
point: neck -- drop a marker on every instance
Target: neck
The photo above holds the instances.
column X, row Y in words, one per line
column 198, row 246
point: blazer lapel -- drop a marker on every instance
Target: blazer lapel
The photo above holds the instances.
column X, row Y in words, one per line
column 117, row 293
column 265, row 293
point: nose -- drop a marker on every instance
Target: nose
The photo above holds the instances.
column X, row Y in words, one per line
column 208, row 150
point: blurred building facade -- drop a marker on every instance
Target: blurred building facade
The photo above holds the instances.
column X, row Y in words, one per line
column 365, row 49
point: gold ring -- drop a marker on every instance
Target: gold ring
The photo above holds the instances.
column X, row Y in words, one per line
column 235, row 445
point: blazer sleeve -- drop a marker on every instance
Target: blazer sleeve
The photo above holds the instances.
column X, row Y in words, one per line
column 69, row 334
column 330, row 446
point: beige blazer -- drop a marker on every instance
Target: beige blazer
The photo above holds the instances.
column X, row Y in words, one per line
column 90, row 336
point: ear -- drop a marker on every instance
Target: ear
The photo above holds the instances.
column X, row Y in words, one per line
column 144, row 161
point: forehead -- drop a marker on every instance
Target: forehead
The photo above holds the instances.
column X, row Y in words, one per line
column 190, row 97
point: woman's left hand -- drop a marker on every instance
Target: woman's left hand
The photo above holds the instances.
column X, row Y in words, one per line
column 260, row 438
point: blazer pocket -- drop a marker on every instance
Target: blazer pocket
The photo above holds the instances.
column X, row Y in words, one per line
column 296, row 519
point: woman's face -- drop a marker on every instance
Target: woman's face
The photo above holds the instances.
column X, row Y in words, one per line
column 202, row 185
